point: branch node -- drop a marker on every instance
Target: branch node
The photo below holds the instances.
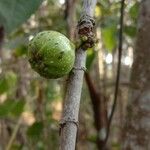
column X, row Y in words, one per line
column 68, row 120
column 85, row 30
column 82, row 68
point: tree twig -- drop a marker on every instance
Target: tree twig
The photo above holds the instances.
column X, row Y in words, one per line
column 69, row 122
column 15, row 131
column 118, row 69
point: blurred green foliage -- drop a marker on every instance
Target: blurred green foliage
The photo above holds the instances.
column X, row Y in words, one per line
column 11, row 108
column 35, row 130
column 109, row 37
column 8, row 82
column 13, row 13
column 43, row 97
column 90, row 58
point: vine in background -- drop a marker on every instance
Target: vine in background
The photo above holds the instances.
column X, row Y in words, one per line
column 118, row 69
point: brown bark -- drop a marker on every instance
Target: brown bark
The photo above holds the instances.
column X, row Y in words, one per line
column 137, row 127
column 100, row 113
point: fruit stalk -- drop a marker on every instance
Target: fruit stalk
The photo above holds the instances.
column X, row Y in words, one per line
column 69, row 122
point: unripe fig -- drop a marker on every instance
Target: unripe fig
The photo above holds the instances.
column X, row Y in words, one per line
column 51, row 54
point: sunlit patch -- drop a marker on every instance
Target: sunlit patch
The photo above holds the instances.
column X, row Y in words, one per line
column 33, row 23
column 61, row 2
column 98, row 12
column 127, row 61
column 45, row 2
column 31, row 37
column 3, row 97
column 108, row 58
column 57, row 106
column 28, row 118
column 102, row 134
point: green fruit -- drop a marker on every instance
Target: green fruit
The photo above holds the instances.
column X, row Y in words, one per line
column 51, row 54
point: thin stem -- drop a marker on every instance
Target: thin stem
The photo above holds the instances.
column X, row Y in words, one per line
column 69, row 122
column 15, row 131
column 118, row 69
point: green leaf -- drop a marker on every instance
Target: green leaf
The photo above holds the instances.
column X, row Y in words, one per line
column 35, row 130
column 92, row 138
column 15, row 12
column 8, row 82
column 133, row 12
column 20, row 51
column 11, row 107
column 6, row 107
column 109, row 37
column 90, row 58
column 130, row 31
column 51, row 91
column 3, row 85
column 17, row 108
column 16, row 146
column 11, row 79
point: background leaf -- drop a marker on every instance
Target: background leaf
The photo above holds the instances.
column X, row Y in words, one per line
column 21, row 51
column 5, row 107
column 130, row 31
column 11, row 107
column 17, row 108
column 109, row 37
column 90, row 58
column 3, row 85
column 15, row 12
column 133, row 12
column 35, row 130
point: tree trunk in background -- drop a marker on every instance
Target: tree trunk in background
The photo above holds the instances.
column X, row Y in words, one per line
column 100, row 114
column 137, row 128
column 70, row 16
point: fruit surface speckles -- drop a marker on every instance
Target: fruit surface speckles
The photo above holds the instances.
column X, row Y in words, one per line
column 51, row 54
